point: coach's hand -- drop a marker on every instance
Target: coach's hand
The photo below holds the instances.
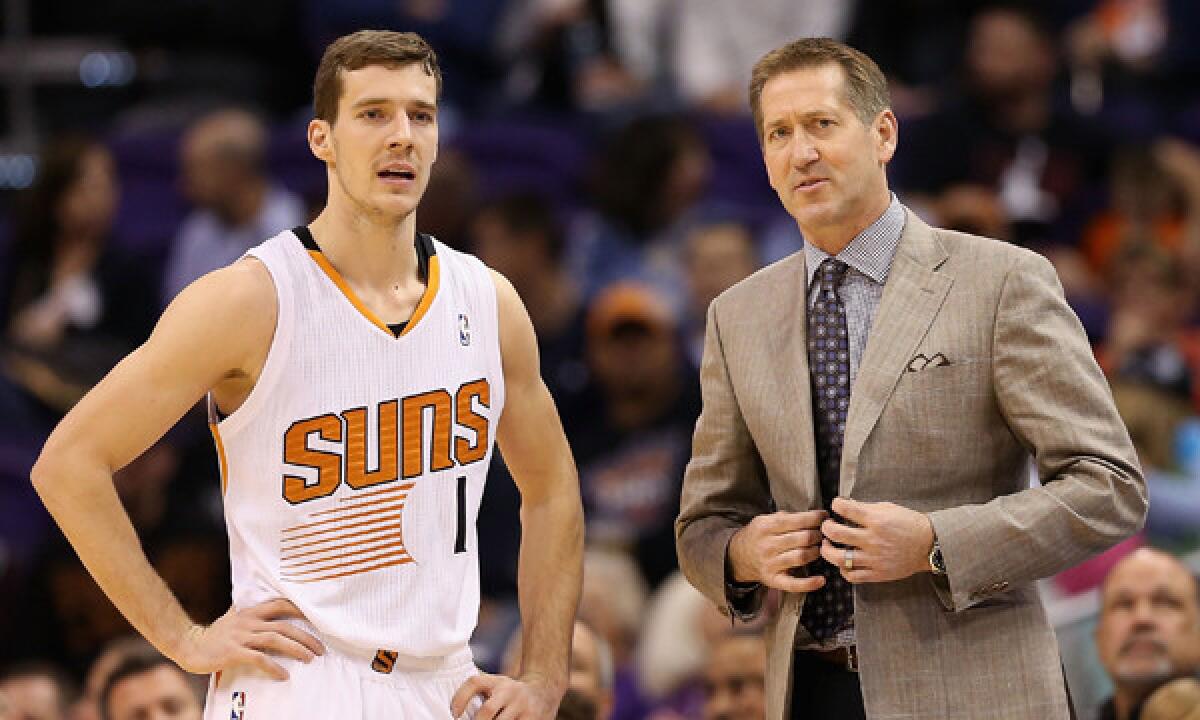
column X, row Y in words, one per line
column 248, row 637
column 527, row 698
column 890, row 542
column 766, row 550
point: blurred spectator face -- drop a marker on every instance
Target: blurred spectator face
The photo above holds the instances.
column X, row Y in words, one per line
column 381, row 149
column 733, row 680
column 87, row 206
column 717, row 257
column 587, row 676
column 31, row 697
column 631, row 342
column 1007, row 56
column 1149, row 628
column 813, row 145
column 161, row 693
column 221, row 155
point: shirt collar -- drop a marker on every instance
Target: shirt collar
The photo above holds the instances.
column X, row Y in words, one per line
column 871, row 251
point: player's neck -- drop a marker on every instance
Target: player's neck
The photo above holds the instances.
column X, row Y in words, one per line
column 365, row 250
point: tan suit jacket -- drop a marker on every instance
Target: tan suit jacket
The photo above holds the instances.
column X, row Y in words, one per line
column 953, row 441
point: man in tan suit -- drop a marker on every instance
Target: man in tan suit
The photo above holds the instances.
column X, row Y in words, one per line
column 871, row 406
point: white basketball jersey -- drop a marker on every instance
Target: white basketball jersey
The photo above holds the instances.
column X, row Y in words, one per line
column 354, row 470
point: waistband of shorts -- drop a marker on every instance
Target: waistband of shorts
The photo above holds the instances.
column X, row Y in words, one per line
column 382, row 661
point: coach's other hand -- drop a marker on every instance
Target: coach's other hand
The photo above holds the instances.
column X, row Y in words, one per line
column 248, row 637
column 527, row 698
column 890, row 542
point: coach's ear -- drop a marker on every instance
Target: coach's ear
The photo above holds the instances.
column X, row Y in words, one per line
column 320, row 140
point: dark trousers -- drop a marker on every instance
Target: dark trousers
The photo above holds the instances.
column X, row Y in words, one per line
column 822, row 690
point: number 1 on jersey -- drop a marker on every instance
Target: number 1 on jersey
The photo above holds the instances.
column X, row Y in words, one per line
column 460, row 537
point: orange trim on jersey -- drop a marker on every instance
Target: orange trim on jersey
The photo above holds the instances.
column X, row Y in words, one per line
column 351, row 516
column 431, row 287
column 297, row 556
column 216, row 433
column 341, row 527
column 391, row 563
column 357, row 552
column 336, row 538
column 361, row 495
column 337, row 279
column 392, row 553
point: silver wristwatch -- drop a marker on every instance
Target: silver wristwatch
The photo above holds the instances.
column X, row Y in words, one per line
column 937, row 565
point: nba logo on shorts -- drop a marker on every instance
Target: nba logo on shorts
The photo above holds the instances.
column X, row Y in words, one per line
column 464, row 330
column 239, row 706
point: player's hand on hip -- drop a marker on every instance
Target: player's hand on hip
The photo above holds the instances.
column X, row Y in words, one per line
column 885, row 541
column 251, row 636
column 771, row 545
column 506, row 698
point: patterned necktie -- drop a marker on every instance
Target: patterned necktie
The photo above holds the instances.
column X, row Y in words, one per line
column 829, row 609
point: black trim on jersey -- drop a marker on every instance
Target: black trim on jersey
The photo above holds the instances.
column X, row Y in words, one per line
column 423, row 244
column 425, row 250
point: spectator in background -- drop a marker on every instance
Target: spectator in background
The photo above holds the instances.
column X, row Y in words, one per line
column 520, row 237
column 651, row 177
column 150, row 686
column 613, row 603
column 591, row 670
column 236, row 204
column 1147, row 341
column 717, row 43
column 734, row 678
column 715, row 257
column 74, row 305
column 632, row 448
column 1012, row 141
column 87, row 707
column 35, row 691
column 1149, row 628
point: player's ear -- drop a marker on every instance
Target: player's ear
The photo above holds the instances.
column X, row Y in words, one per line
column 320, row 142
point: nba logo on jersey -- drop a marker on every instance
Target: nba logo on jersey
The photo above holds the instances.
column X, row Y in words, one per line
column 239, row 706
column 464, row 330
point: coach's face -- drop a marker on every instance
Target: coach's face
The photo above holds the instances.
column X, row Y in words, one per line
column 827, row 167
column 1149, row 628
column 383, row 144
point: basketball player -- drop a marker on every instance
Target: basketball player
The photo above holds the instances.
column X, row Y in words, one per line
column 357, row 374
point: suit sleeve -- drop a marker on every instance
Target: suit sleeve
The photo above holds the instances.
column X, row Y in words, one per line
column 724, row 486
column 1057, row 403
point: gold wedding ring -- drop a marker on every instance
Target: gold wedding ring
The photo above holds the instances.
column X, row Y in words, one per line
column 849, row 561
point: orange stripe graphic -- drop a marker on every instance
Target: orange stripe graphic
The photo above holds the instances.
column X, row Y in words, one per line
column 361, row 495
column 349, row 563
column 390, row 563
column 212, row 427
column 350, row 516
column 431, row 288
column 335, row 528
column 346, row 536
column 357, row 552
column 331, row 548
column 361, row 505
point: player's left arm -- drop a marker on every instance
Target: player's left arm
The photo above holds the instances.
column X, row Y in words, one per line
column 550, row 571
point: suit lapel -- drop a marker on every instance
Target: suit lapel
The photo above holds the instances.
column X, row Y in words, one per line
column 788, row 357
column 912, row 296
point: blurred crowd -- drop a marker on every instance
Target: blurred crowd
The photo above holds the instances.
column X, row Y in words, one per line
column 600, row 154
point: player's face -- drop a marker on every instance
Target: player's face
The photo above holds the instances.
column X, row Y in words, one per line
column 1149, row 627
column 383, row 145
column 826, row 166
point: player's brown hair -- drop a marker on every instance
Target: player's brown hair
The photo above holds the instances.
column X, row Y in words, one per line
column 364, row 48
column 865, row 86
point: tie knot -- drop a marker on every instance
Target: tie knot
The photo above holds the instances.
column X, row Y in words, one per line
column 832, row 272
